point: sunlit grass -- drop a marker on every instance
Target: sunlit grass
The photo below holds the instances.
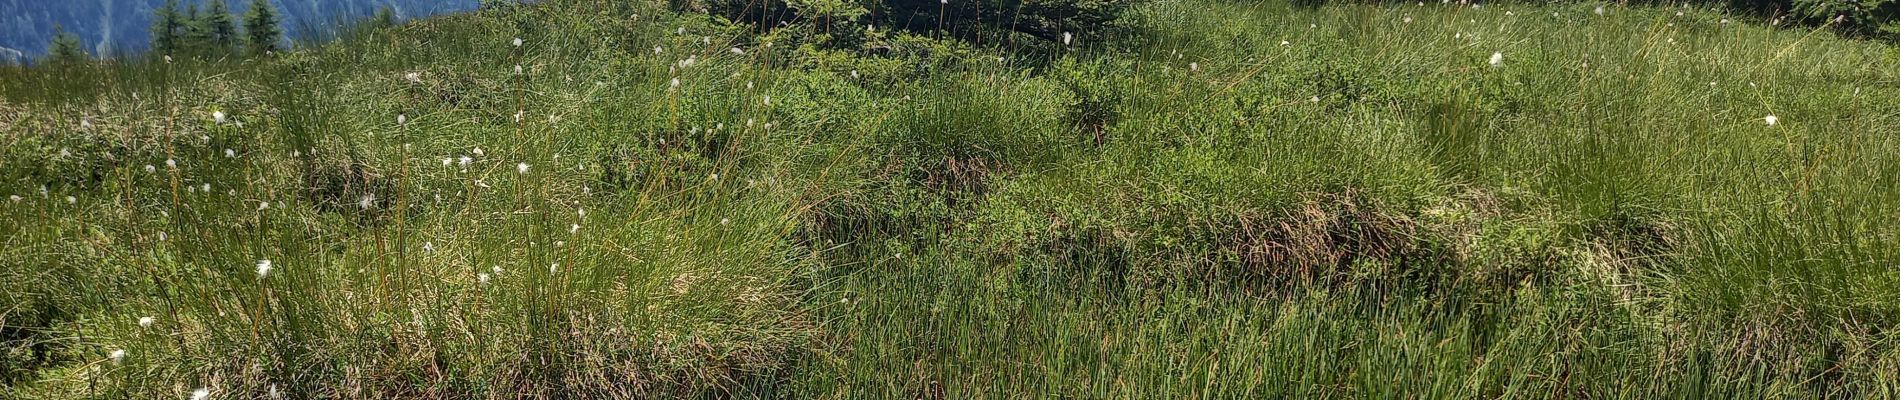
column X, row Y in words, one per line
column 1220, row 200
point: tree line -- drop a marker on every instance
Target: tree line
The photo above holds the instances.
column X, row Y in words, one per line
column 210, row 33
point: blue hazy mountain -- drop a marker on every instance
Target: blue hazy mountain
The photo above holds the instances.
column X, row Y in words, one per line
column 124, row 26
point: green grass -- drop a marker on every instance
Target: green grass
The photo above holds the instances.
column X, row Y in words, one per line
column 1184, row 207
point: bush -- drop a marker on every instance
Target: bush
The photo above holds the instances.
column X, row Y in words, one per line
column 1097, row 95
column 1863, row 17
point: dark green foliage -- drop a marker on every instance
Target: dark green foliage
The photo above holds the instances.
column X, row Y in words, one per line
column 1096, row 98
column 835, row 23
column 221, row 32
column 981, row 21
column 1861, row 18
column 167, row 25
column 1866, row 17
column 196, row 40
column 66, row 49
column 996, row 19
column 385, row 16
column 262, row 32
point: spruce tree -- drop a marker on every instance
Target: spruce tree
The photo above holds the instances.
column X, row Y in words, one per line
column 66, row 48
column 197, row 37
column 261, row 32
column 223, row 36
column 165, row 27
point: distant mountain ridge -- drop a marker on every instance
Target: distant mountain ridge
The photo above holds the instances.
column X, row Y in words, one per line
column 10, row 55
column 109, row 27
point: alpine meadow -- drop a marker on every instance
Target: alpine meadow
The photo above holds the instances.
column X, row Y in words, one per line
column 963, row 199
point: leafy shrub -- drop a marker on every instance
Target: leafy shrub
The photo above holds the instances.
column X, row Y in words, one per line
column 1096, row 94
column 1866, row 17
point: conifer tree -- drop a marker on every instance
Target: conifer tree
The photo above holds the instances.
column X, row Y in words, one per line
column 222, row 32
column 261, row 32
column 197, row 37
column 165, row 28
column 66, row 48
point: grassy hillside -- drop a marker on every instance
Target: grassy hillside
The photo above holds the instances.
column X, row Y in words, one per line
column 1211, row 200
